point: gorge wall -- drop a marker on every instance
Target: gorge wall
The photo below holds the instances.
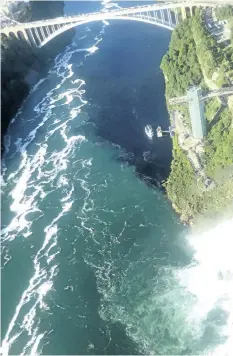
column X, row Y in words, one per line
column 20, row 63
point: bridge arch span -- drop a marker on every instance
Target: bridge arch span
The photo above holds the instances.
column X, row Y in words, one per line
column 150, row 21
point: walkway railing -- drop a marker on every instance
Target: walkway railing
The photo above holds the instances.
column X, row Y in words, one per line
column 205, row 95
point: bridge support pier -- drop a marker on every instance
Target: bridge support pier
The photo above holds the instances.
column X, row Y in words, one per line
column 183, row 13
column 176, row 16
column 169, row 17
column 162, row 15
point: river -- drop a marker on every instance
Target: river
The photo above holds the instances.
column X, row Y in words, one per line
column 94, row 259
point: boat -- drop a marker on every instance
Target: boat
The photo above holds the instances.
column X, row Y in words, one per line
column 149, row 131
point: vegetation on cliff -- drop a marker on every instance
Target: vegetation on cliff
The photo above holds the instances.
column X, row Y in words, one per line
column 180, row 65
column 219, row 144
column 211, row 108
column 224, row 12
column 17, row 57
column 181, row 185
column 194, row 56
column 216, row 60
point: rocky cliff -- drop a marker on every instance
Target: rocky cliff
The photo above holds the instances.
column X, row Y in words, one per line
column 22, row 64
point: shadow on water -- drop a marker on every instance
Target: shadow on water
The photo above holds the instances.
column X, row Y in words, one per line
column 125, row 92
column 149, row 167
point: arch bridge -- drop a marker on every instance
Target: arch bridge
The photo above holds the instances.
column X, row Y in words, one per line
column 162, row 14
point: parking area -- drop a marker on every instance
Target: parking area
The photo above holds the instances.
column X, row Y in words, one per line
column 219, row 29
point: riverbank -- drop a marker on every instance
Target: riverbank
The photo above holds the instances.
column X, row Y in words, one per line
column 200, row 183
column 21, row 64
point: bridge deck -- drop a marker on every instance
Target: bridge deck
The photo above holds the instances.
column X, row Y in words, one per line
column 98, row 16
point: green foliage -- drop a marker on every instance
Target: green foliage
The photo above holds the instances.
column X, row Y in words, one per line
column 219, row 145
column 227, row 62
column 181, row 185
column 192, row 52
column 231, row 29
column 180, row 65
column 224, row 12
column 189, row 197
column 213, row 57
column 206, row 46
column 211, row 107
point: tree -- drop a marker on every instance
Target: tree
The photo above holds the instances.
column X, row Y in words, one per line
column 224, row 12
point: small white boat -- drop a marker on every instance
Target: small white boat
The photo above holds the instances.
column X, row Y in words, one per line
column 149, row 131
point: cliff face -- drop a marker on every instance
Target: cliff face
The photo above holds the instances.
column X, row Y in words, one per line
column 20, row 63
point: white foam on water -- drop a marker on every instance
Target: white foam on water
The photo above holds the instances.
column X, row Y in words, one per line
column 92, row 49
column 41, row 282
column 69, row 95
column 78, row 81
column 7, row 143
column 22, row 204
column 18, row 143
column 37, row 85
column 32, row 174
column 17, row 114
column 39, row 286
column 181, row 310
column 109, row 5
column 210, row 279
column 36, row 344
